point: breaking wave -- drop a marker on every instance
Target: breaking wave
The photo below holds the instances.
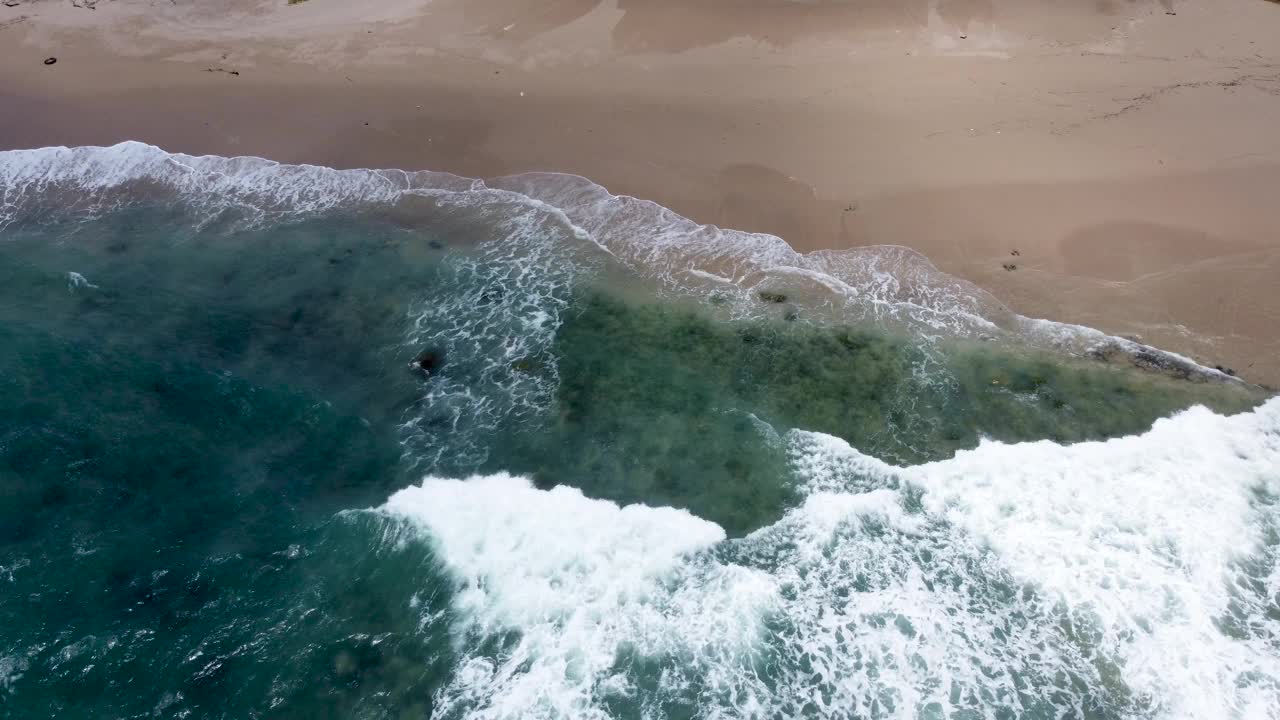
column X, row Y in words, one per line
column 1130, row 578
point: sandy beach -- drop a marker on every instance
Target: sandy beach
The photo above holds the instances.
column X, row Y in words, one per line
column 1113, row 163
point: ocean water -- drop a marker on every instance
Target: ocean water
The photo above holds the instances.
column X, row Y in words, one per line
column 285, row 441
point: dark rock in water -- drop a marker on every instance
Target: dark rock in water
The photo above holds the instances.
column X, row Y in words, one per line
column 355, row 662
column 1104, row 353
column 50, row 61
column 55, row 496
column 853, row 342
column 493, row 293
column 772, row 297
column 791, row 315
column 435, row 244
column 1148, row 360
column 428, row 362
column 344, row 664
column 522, row 365
column 1177, row 367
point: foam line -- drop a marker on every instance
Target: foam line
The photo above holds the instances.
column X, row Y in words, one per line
column 889, row 285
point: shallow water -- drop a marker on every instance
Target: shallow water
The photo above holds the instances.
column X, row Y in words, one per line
column 645, row 469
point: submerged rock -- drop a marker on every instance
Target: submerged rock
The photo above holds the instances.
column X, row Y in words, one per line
column 344, row 664
column 772, row 297
column 1159, row 362
column 1149, row 359
column 428, row 362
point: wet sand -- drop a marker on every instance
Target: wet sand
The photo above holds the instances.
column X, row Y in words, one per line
column 1120, row 156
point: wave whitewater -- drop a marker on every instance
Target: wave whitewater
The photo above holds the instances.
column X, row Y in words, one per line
column 1137, row 577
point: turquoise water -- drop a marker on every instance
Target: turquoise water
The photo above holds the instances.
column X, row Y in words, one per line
column 283, row 442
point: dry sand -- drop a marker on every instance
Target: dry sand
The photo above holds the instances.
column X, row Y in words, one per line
column 1127, row 150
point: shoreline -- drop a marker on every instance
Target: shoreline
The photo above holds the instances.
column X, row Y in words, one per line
column 310, row 188
column 1136, row 189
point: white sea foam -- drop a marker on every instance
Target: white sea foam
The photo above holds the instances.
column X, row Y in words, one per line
column 884, row 284
column 75, row 281
column 1130, row 578
column 1138, row 551
column 582, row 581
column 92, row 178
column 1147, row 538
column 498, row 314
column 11, row 671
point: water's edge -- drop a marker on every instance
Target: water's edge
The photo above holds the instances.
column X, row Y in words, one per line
column 292, row 441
